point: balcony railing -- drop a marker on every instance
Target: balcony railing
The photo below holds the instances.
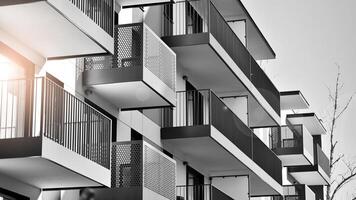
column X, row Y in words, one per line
column 137, row 46
column 100, row 11
column 291, row 137
column 40, row 108
column 322, row 160
column 285, row 137
column 200, row 192
column 203, row 17
column 138, row 164
column 203, row 107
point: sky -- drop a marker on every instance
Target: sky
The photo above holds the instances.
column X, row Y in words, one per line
column 309, row 37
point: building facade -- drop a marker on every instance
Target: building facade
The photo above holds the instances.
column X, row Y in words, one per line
column 148, row 99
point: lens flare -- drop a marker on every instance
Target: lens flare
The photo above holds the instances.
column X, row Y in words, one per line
column 5, row 68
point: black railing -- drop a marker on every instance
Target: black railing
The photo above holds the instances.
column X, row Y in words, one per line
column 100, row 11
column 203, row 17
column 40, row 107
column 203, row 107
column 287, row 137
column 322, row 160
column 200, row 192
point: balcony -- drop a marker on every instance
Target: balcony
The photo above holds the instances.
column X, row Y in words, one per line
column 318, row 174
column 140, row 171
column 293, row 100
column 141, row 74
column 58, row 28
column 47, row 135
column 200, row 192
column 225, row 64
column 310, row 121
column 140, row 3
column 203, row 131
column 293, row 144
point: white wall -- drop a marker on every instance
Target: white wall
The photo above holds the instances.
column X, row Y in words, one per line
column 123, row 132
column 64, row 70
column 239, row 105
column 130, row 15
column 239, row 27
column 264, row 135
column 142, row 124
column 180, row 82
column 60, row 195
column 235, row 187
column 152, row 18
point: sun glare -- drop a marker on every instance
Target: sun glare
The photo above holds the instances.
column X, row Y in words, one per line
column 5, row 68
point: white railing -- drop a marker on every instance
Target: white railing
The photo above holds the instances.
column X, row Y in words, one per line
column 159, row 58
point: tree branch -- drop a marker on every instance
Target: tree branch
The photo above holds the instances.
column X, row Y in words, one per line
column 346, row 106
column 338, row 159
column 343, row 182
column 345, row 178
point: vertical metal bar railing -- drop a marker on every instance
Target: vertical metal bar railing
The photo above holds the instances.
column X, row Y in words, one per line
column 55, row 114
column 194, row 192
column 100, row 11
column 64, row 122
column 193, row 108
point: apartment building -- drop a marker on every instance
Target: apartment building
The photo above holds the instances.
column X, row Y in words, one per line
column 148, row 99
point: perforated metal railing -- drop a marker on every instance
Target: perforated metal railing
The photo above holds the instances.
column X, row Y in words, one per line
column 100, row 11
column 159, row 58
column 136, row 163
column 39, row 107
column 137, row 46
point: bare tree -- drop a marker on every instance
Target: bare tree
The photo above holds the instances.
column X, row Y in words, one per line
column 338, row 181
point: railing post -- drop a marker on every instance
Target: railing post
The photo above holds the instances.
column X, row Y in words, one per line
column 209, row 7
column 42, row 109
column 28, row 106
column 210, row 107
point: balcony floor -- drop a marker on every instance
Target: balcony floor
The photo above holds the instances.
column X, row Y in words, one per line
column 294, row 160
column 47, row 165
column 127, row 89
column 47, row 31
column 310, row 175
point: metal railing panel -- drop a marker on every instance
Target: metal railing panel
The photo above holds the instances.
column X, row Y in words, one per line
column 138, row 164
column 159, row 58
column 137, row 46
column 39, row 107
column 100, row 11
